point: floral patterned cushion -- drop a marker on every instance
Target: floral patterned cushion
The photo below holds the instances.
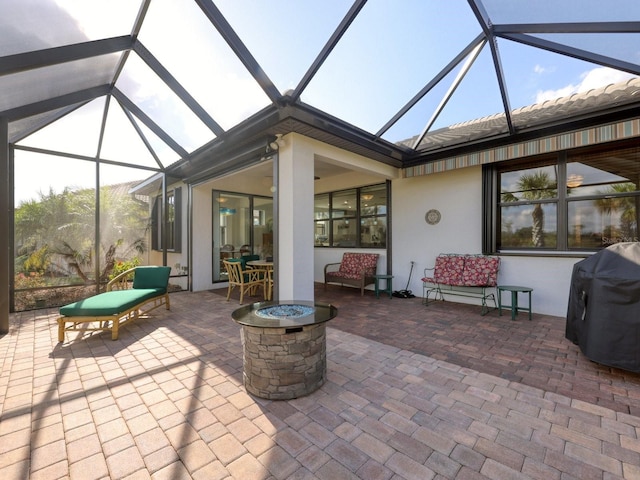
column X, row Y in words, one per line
column 354, row 264
column 480, row 271
column 465, row 270
column 448, row 269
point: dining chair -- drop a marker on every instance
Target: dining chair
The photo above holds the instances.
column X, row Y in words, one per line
column 248, row 281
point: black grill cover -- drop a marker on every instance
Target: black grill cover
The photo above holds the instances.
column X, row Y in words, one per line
column 603, row 316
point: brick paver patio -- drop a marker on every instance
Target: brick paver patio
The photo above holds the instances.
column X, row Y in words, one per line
column 413, row 392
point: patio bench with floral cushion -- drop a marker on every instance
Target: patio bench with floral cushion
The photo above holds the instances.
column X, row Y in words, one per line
column 355, row 269
column 464, row 275
column 123, row 302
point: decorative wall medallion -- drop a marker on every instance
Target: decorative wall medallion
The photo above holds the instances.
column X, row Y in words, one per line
column 432, row 217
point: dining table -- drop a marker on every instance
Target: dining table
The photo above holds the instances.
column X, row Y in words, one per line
column 267, row 266
column 264, row 264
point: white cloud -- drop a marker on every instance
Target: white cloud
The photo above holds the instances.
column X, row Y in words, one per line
column 539, row 69
column 596, row 78
column 602, row 76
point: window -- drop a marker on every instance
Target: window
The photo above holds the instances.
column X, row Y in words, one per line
column 352, row 218
column 584, row 200
column 528, row 207
column 173, row 223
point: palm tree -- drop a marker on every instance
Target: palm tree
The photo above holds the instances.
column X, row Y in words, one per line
column 64, row 223
column 537, row 185
column 626, row 205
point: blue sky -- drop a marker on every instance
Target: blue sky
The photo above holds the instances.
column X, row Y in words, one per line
column 391, row 50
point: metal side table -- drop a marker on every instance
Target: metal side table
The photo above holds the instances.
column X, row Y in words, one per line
column 514, row 289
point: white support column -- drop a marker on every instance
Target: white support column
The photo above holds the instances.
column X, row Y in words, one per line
column 5, row 197
column 295, row 220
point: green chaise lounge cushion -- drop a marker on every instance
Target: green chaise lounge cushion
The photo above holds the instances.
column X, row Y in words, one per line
column 152, row 277
column 110, row 303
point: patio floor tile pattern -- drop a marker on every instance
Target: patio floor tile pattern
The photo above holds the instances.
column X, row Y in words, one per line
column 413, row 392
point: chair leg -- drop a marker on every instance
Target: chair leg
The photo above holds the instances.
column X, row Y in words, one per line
column 229, row 292
column 60, row 330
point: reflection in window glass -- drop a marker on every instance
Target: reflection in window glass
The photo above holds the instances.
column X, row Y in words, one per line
column 344, row 233
column 357, row 218
column 604, row 173
column 597, row 204
column 321, row 213
column 529, row 226
column 344, row 204
column 171, row 220
column 373, row 232
column 602, row 222
column 530, row 184
column 373, row 200
column 321, row 233
column 263, row 227
column 373, row 220
column 321, row 206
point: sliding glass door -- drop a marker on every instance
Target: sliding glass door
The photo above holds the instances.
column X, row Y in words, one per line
column 242, row 225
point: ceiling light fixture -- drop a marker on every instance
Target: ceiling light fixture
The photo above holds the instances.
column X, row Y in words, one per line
column 574, row 180
column 367, row 197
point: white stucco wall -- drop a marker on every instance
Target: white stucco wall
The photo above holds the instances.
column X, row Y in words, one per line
column 458, row 197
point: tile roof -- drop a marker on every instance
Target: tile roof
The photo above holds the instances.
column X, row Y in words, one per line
column 548, row 112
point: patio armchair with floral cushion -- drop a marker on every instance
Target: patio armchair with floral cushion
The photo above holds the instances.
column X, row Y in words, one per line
column 355, row 269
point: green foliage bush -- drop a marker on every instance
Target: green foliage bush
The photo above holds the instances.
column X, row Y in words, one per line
column 38, row 261
column 123, row 266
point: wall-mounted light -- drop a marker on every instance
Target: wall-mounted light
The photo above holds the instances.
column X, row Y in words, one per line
column 272, row 146
column 277, row 143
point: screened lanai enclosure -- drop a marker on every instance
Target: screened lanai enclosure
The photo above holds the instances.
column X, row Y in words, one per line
column 105, row 103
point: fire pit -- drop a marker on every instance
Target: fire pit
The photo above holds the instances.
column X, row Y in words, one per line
column 284, row 345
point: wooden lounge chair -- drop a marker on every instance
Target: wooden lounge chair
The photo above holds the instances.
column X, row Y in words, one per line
column 123, row 302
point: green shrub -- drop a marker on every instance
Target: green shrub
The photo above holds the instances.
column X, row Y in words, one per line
column 123, row 266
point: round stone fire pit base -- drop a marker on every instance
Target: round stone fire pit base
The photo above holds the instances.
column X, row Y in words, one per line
column 284, row 347
column 284, row 363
